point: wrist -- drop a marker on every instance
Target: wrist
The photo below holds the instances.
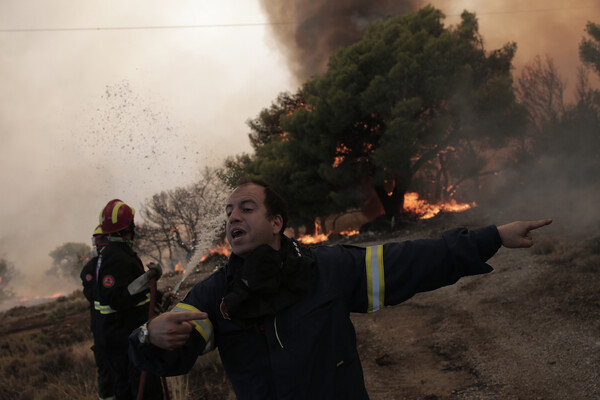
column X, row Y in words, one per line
column 143, row 334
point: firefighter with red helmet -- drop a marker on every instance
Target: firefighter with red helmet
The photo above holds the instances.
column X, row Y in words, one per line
column 106, row 389
column 121, row 303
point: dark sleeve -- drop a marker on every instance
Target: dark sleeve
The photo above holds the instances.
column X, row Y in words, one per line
column 423, row 265
column 147, row 357
column 388, row 274
column 179, row 361
column 87, row 279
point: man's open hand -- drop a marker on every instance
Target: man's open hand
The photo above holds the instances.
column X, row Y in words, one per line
column 518, row 234
column 172, row 329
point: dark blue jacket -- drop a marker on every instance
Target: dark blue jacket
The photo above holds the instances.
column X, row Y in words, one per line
column 117, row 312
column 308, row 350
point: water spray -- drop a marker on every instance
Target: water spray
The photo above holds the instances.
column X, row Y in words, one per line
column 212, row 226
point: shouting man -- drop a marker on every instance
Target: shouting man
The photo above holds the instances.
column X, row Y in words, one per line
column 279, row 312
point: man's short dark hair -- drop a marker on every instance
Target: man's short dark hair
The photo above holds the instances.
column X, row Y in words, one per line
column 274, row 201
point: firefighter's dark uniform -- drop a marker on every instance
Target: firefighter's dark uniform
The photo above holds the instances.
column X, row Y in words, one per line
column 88, row 279
column 308, row 349
column 117, row 313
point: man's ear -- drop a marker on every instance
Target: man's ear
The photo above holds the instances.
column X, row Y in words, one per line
column 277, row 223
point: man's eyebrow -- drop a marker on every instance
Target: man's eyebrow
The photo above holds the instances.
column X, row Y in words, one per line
column 246, row 202
column 242, row 203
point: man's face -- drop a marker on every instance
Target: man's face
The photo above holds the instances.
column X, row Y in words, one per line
column 247, row 223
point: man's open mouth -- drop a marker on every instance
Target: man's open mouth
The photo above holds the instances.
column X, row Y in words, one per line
column 236, row 233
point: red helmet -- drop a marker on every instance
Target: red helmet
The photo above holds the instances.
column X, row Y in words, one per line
column 116, row 216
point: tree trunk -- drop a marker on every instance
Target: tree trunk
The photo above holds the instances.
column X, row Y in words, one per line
column 393, row 204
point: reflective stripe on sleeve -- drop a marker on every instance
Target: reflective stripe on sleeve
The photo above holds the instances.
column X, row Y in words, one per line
column 145, row 301
column 203, row 326
column 104, row 309
column 375, row 278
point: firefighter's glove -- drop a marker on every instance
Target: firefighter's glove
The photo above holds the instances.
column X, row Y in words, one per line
column 156, row 270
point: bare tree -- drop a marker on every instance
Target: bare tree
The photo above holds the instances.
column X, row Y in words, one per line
column 541, row 90
column 177, row 221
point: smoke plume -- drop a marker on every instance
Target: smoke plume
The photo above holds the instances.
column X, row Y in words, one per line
column 310, row 31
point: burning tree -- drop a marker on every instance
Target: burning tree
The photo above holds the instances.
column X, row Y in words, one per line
column 175, row 221
column 409, row 98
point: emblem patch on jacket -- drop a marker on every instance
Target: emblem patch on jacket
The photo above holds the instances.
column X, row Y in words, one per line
column 108, row 281
column 88, row 278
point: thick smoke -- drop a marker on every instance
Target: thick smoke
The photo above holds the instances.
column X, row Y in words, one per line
column 310, row 31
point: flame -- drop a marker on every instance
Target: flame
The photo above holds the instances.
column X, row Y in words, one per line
column 317, row 237
column 223, row 249
column 349, row 232
column 425, row 210
column 341, row 151
column 178, row 268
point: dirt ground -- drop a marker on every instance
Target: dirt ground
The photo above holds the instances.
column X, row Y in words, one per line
column 528, row 330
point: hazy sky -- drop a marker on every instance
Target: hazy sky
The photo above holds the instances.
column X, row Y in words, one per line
column 88, row 115
column 92, row 115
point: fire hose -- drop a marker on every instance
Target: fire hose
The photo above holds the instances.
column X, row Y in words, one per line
column 144, row 373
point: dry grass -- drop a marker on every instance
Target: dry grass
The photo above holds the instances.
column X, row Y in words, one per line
column 45, row 355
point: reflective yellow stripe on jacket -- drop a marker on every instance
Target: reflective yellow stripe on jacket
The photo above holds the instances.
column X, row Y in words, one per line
column 375, row 278
column 105, row 309
column 203, row 326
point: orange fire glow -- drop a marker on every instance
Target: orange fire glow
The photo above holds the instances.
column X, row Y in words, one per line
column 178, row 268
column 52, row 296
column 310, row 239
column 319, row 236
column 425, row 210
column 349, row 232
column 341, row 151
column 223, row 249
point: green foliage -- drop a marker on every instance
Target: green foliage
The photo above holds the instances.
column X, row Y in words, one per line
column 68, row 259
column 387, row 109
